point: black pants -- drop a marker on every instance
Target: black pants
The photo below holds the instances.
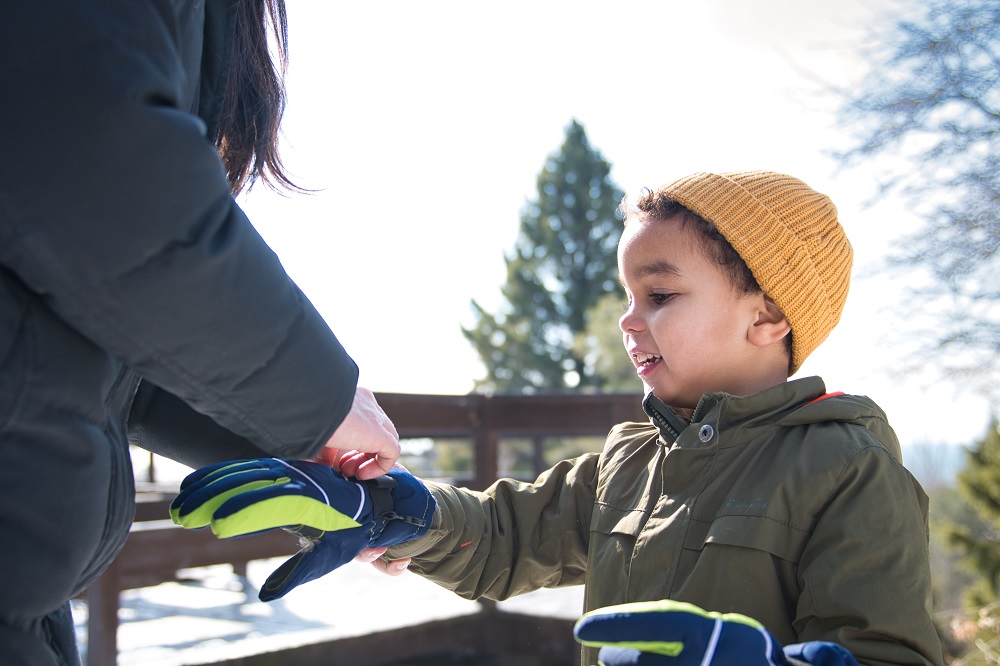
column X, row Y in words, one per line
column 50, row 642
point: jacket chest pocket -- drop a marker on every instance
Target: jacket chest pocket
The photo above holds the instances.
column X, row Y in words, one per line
column 613, row 535
column 755, row 532
column 754, row 559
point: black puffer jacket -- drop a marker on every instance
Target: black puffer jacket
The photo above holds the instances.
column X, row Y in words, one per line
column 123, row 255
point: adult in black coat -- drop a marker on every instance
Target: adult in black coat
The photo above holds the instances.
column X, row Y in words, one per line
column 135, row 296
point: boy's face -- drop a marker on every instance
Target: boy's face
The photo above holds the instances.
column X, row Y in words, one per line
column 686, row 327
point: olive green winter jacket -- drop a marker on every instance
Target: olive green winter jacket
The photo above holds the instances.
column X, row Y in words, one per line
column 789, row 506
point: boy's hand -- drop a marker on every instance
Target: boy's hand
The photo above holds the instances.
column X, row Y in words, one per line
column 373, row 556
column 673, row 633
column 336, row 518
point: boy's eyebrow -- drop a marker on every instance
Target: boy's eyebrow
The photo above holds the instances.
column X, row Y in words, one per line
column 660, row 267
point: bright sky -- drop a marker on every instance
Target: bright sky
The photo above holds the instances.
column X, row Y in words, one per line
column 424, row 126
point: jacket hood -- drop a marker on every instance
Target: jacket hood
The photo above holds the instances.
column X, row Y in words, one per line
column 856, row 409
column 795, row 403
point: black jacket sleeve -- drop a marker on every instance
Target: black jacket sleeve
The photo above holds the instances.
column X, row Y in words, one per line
column 114, row 208
column 164, row 424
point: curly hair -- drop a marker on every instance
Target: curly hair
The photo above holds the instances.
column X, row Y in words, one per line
column 661, row 207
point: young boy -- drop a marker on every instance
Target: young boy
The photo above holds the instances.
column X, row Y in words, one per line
column 745, row 492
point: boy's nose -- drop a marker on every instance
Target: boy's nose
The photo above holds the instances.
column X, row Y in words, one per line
column 630, row 321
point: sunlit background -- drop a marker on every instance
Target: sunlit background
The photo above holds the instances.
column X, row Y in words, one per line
column 423, row 126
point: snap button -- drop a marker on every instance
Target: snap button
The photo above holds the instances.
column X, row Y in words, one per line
column 706, row 433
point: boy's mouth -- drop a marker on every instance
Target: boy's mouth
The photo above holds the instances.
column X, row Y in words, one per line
column 643, row 359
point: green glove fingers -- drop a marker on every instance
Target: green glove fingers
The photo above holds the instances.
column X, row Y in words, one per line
column 338, row 517
column 200, row 496
column 245, row 497
column 266, row 513
column 673, row 633
column 201, row 515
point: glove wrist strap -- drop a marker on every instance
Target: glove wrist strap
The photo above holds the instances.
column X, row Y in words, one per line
column 380, row 490
column 383, row 504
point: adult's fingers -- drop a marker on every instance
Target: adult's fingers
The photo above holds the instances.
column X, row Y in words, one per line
column 366, row 429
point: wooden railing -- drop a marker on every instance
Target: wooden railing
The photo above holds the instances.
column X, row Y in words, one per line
column 156, row 549
column 488, row 419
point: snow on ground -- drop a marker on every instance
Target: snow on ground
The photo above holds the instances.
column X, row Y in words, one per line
column 212, row 615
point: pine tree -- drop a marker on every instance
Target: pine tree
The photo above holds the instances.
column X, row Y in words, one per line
column 563, row 262
column 600, row 345
column 979, row 539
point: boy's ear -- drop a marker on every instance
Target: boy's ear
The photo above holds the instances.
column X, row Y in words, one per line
column 771, row 325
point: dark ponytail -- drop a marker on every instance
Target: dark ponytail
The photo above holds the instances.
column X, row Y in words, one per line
column 255, row 98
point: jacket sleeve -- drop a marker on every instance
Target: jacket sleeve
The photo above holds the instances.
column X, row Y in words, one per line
column 875, row 522
column 115, row 209
column 513, row 538
column 164, row 424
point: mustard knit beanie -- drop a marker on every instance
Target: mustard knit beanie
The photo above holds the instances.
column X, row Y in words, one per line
column 788, row 235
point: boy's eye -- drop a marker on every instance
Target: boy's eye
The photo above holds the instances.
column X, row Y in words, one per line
column 660, row 299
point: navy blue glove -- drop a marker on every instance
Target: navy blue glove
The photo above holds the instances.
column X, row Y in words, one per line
column 673, row 633
column 336, row 518
column 820, row 653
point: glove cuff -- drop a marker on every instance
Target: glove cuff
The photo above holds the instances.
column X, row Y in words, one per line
column 402, row 508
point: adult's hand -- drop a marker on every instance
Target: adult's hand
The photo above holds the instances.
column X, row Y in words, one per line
column 366, row 444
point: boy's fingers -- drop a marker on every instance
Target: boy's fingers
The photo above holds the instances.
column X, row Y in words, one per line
column 370, row 554
column 394, row 568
